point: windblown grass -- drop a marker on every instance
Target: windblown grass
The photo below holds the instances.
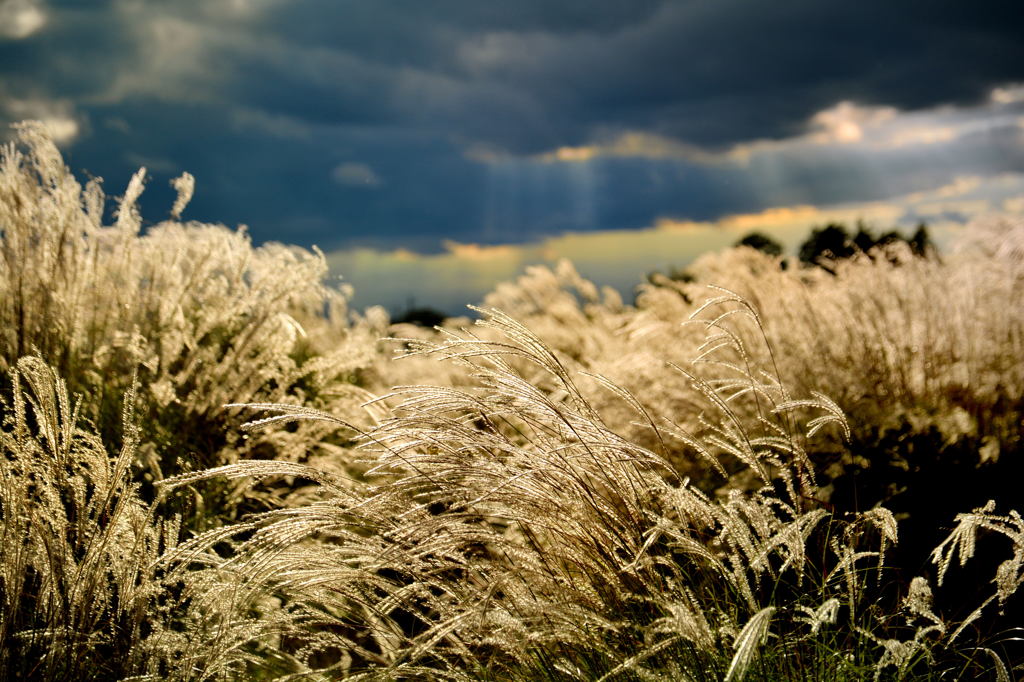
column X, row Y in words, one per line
column 84, row 594
column 204, row 318
column 702, row 485
column 508, row 533
column 921, row 354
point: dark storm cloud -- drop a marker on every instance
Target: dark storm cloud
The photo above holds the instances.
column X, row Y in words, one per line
column 717, row 73
column 287, row 189
column 265, row 100
column 709, row 73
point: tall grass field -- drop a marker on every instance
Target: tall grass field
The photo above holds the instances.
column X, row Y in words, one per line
column 211, row 468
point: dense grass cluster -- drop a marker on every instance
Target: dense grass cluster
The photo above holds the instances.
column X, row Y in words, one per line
column 794, row 473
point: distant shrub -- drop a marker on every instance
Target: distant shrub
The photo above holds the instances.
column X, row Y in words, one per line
column 761, row 242
column 423, row 317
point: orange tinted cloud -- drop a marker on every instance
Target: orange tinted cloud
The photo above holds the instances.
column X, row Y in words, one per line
column 478, row 252
column 630, row 144
column 771, row 217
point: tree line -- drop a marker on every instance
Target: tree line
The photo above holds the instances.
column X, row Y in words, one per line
column 834, row 241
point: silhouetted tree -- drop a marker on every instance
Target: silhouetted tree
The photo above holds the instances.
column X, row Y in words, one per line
column 921, row 243
column 761, row 242
column 864, row 240
column 423, row 317
column 831, row 242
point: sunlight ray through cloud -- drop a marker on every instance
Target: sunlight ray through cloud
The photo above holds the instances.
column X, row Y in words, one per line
column 466, row 271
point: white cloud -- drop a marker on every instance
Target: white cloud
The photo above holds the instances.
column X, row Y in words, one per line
column 20, row 18
column 57, row 115
column 353, row 174
column 185, row 49
column 846, row 127
column 1008, row 94
column 285, row 127
column 63, row 130
column 173, row 61
column 846, row 122
column 851, row 128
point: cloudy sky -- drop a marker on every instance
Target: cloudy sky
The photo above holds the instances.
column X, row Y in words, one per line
column 434, row 146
